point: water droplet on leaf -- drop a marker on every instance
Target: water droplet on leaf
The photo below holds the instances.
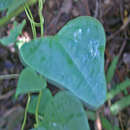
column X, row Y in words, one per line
column 78, row 35
column 88, row 30
column 54, row 124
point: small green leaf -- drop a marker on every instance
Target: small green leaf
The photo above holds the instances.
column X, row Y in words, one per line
column 112, row 69
column 29, row 81
column 10, row 5
column 65, row 112
column 72, row 59
column 15, row 5
column 45, row 99
column 4, row 4
column 14, row 33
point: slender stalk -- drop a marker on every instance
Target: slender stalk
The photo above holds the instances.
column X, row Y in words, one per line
column 32, row 25
column 31, row 19
column 25, row 114
column 37, row 108
column 40, row 3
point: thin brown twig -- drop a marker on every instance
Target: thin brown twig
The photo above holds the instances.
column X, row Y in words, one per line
column 122, row 48
column 100, row 10
column 125, row 41
column 6, row 115
column 98, row 121
column 121, row 29
column 96, row 9
column 7, row 95
column 65, row 8
column 85, row 2
column 106, row 11
column 9, row 76
column 122, row 10
column 122, row 128
column 108, row 59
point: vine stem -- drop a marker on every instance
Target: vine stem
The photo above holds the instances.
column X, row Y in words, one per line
column 37, row 108
column 33, row 26
column 25, row 113
column 9, row 76
column 40, row 3
column 31, row 19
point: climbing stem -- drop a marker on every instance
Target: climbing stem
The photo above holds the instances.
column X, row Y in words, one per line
column 25, row 113
column 40, row 3
column 37, row 108
column 31, row 19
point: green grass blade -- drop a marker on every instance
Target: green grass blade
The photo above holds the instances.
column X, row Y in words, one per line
column 111, row 70
column 107, row 125
column 118, row 106
column 120, row 87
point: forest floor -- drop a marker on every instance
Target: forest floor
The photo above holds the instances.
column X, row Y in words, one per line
column 115, row 17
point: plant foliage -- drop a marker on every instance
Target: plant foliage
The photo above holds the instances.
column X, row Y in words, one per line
column 73, row 59
column 14, row 33
column 65, row 112
column 30, row 81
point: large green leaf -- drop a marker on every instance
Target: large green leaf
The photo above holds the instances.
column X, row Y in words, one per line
column 65, row 112
column 29, row 81
column 14, row 33
column 72, row 59
column 11, row 5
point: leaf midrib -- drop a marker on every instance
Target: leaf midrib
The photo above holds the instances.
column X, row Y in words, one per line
column 76, row 66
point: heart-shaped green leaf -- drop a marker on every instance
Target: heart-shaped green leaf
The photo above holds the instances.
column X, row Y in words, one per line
column 65, row 112
column 29, row 81
column 72, row 59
